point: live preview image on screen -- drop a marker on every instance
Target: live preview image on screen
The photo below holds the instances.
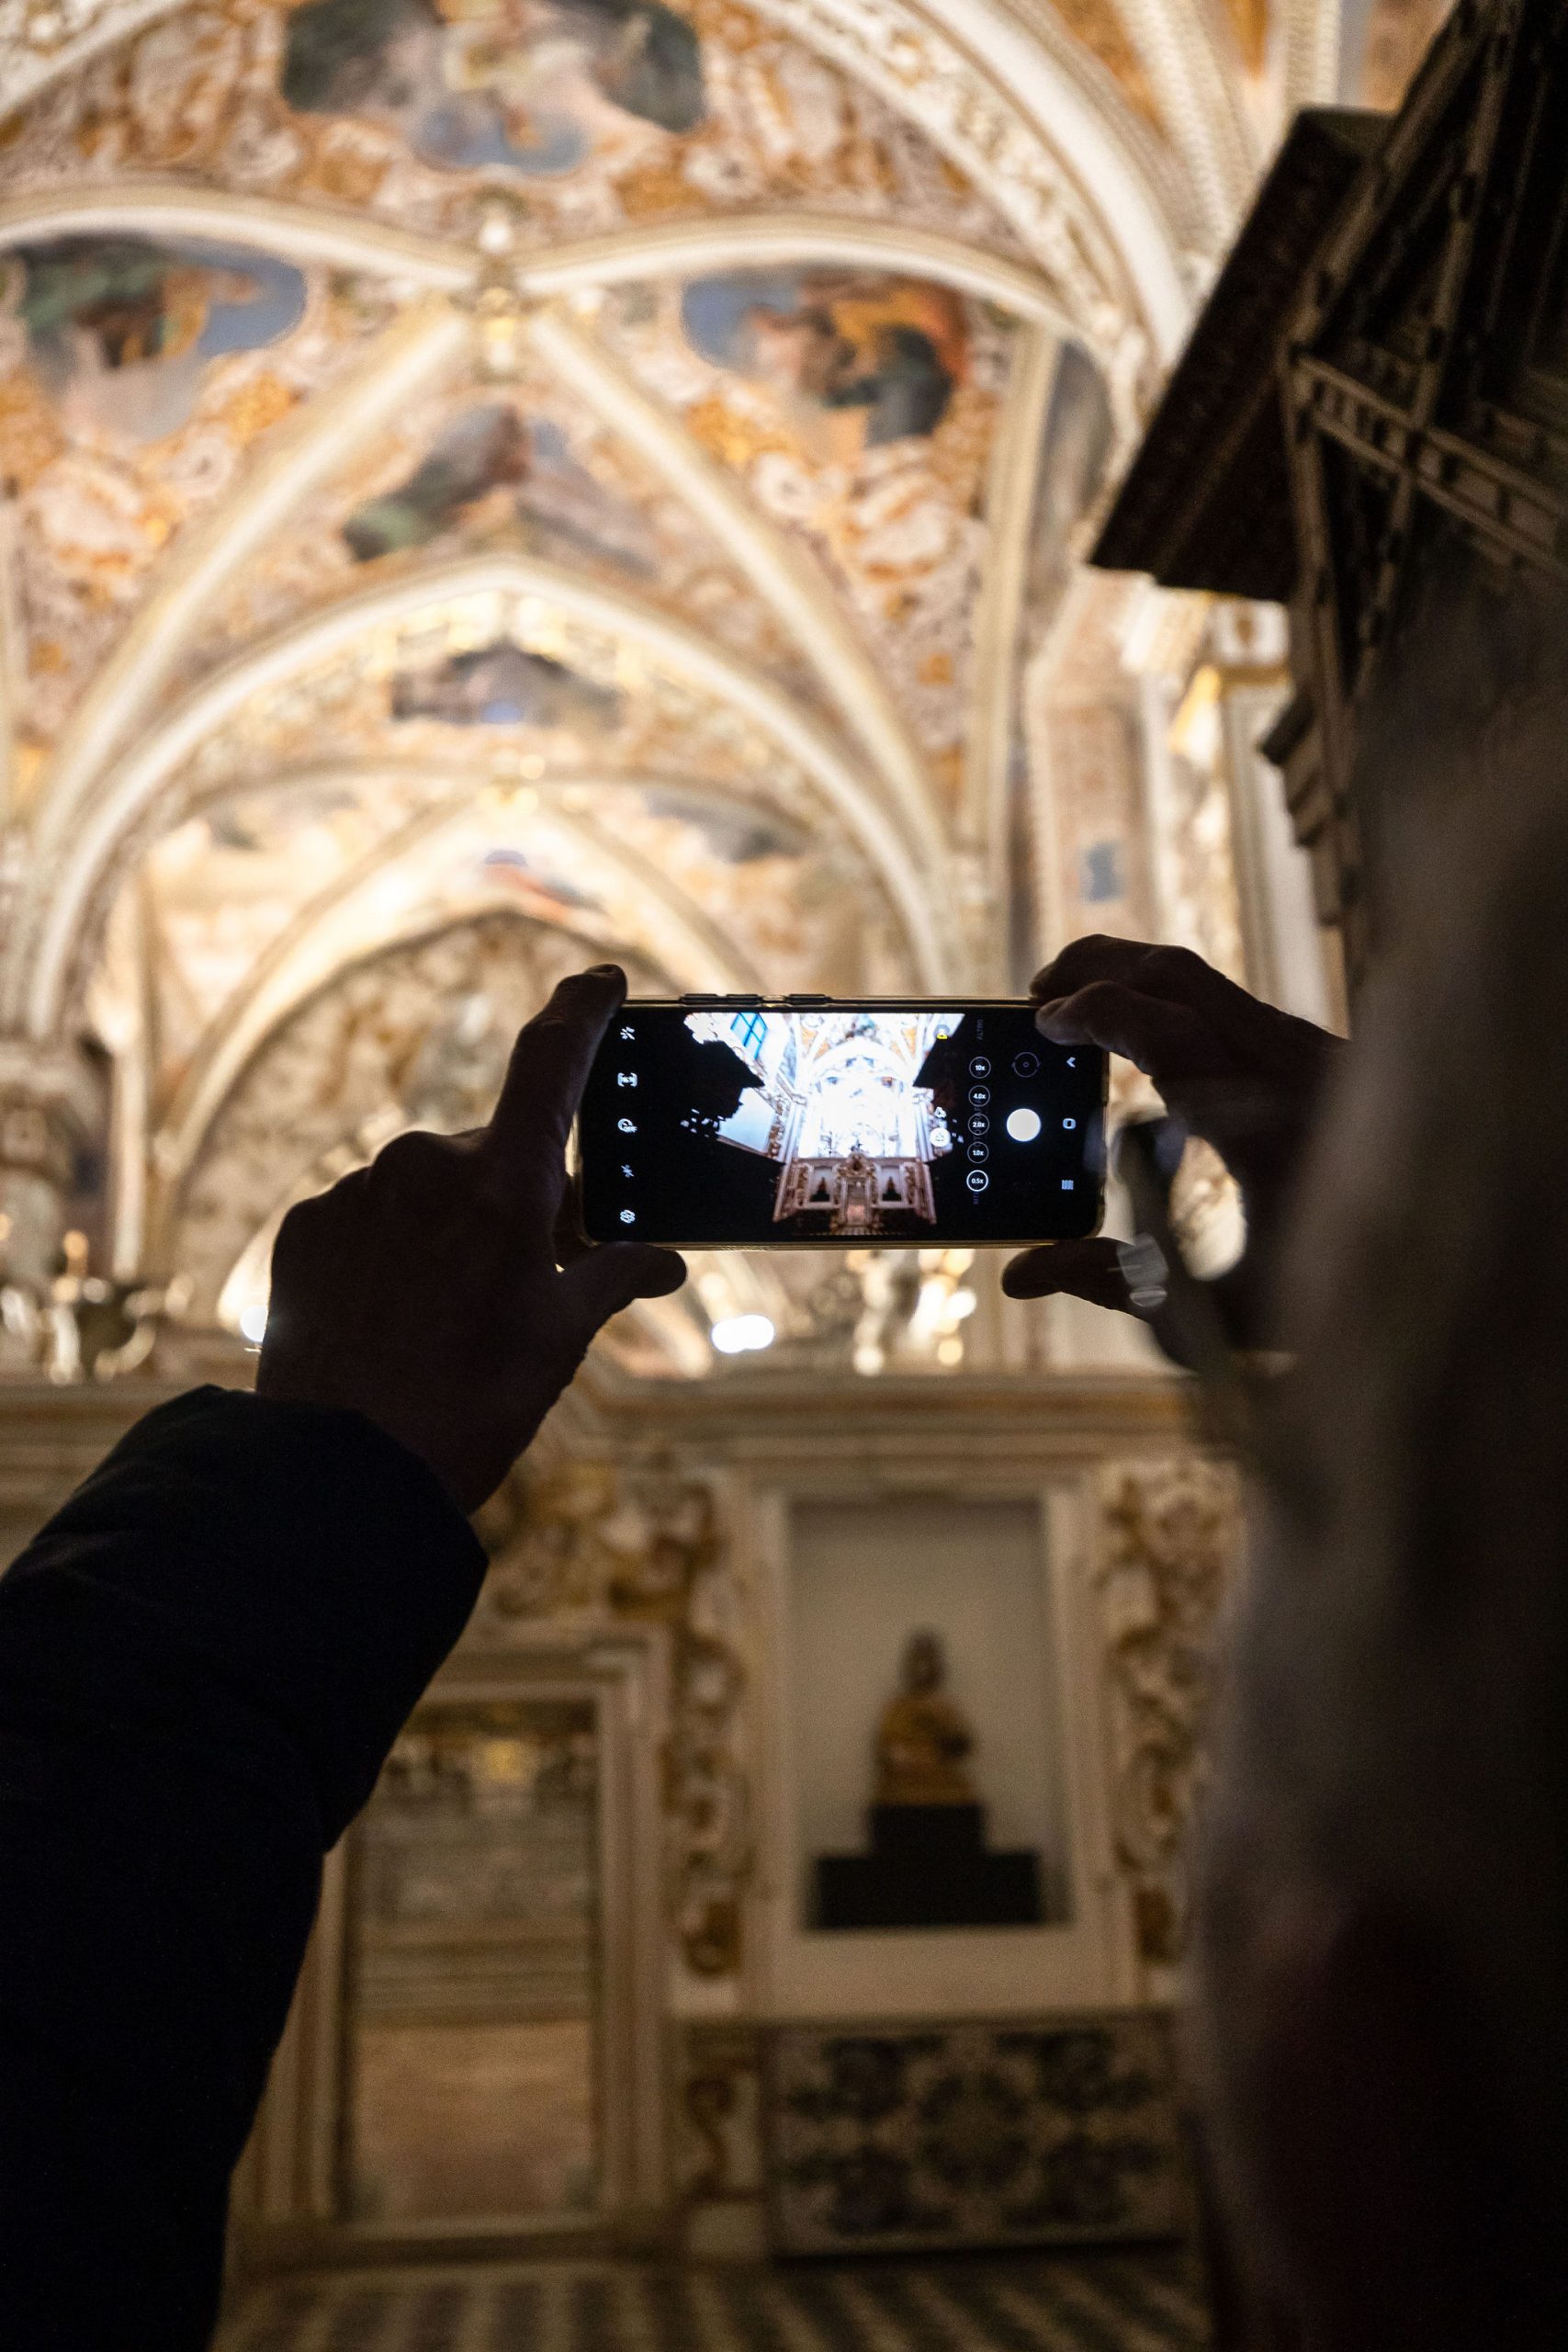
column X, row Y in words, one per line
column 735, row 1124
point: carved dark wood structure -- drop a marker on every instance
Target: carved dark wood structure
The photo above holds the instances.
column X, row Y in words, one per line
column 1382, row 368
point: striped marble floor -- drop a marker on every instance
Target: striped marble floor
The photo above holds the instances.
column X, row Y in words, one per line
column 1099, row 2303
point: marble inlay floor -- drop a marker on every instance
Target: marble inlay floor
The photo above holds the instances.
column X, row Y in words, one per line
column 1089, row 2302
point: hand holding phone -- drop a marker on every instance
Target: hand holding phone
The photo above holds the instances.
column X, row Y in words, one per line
column 740, row 1123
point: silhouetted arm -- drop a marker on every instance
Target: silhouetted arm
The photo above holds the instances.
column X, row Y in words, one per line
column 204, row 1660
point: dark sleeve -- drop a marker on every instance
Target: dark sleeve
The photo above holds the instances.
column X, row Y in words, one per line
column 204, row 1659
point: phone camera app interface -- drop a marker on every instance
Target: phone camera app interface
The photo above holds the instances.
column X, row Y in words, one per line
column 844, row 1124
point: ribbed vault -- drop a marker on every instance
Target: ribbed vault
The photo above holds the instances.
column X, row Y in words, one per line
column 614, row 467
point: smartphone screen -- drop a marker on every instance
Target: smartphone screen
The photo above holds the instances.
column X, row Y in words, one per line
column 721, row 1121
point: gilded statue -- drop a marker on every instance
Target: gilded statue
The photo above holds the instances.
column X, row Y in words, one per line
column 924, row 1738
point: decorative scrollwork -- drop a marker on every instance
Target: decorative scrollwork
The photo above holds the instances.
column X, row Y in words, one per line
column 36, row 36
column 1173, row 1531
column 580, row 1539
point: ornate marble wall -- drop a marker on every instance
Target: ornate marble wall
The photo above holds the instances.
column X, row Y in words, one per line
column 623, row 1674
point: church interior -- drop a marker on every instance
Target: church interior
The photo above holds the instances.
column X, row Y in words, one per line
column 496, row 486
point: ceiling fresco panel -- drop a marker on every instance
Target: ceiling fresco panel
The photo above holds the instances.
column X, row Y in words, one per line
column 859, row 410
column 139, row 380
column 478, row 465
column 483, row 675
column 597, row 114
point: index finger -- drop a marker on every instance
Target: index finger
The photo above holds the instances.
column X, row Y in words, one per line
column 1169, row 1043
column 544, row 1079
column 1174, row 976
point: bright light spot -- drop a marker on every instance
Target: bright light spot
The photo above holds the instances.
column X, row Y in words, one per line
column 951, row 1350
column 252, row 1325
column 1024, row 1124
column 962, row 1303
column 738, row 1334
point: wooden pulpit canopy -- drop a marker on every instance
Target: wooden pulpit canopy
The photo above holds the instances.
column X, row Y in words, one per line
column 1381, row 365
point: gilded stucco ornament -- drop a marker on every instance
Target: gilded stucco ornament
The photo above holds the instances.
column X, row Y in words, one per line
column 1173, row 1534
column 923, row 77
column 938, row 84
column 582, row 1539
column 38, row 38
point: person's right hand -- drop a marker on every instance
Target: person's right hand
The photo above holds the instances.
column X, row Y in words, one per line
column 1246, row 1078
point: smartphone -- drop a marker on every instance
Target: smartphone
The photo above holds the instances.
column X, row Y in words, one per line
column 741, row 1122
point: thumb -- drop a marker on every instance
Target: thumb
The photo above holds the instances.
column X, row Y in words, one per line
column 1090, row 1270
column 604, row 1281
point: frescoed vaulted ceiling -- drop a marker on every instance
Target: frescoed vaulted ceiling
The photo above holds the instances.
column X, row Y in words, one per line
column 494, row 483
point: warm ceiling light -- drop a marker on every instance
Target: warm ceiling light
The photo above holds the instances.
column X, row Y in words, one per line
column 737, row 1335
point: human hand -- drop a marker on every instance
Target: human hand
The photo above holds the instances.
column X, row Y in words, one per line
column 1238, row 1073
column 437, row 1292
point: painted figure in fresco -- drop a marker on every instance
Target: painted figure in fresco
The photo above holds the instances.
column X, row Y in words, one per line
column 492, row 452
column 527, row 86
column 880, row 357
column 565, row 510
column 503, row 686
column 923, row 1739
column 120, row 329
column 484, row 450
column 737, row 835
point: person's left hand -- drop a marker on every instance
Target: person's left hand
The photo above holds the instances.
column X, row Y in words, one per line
column 1247, row 1078
column 437, row 1291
